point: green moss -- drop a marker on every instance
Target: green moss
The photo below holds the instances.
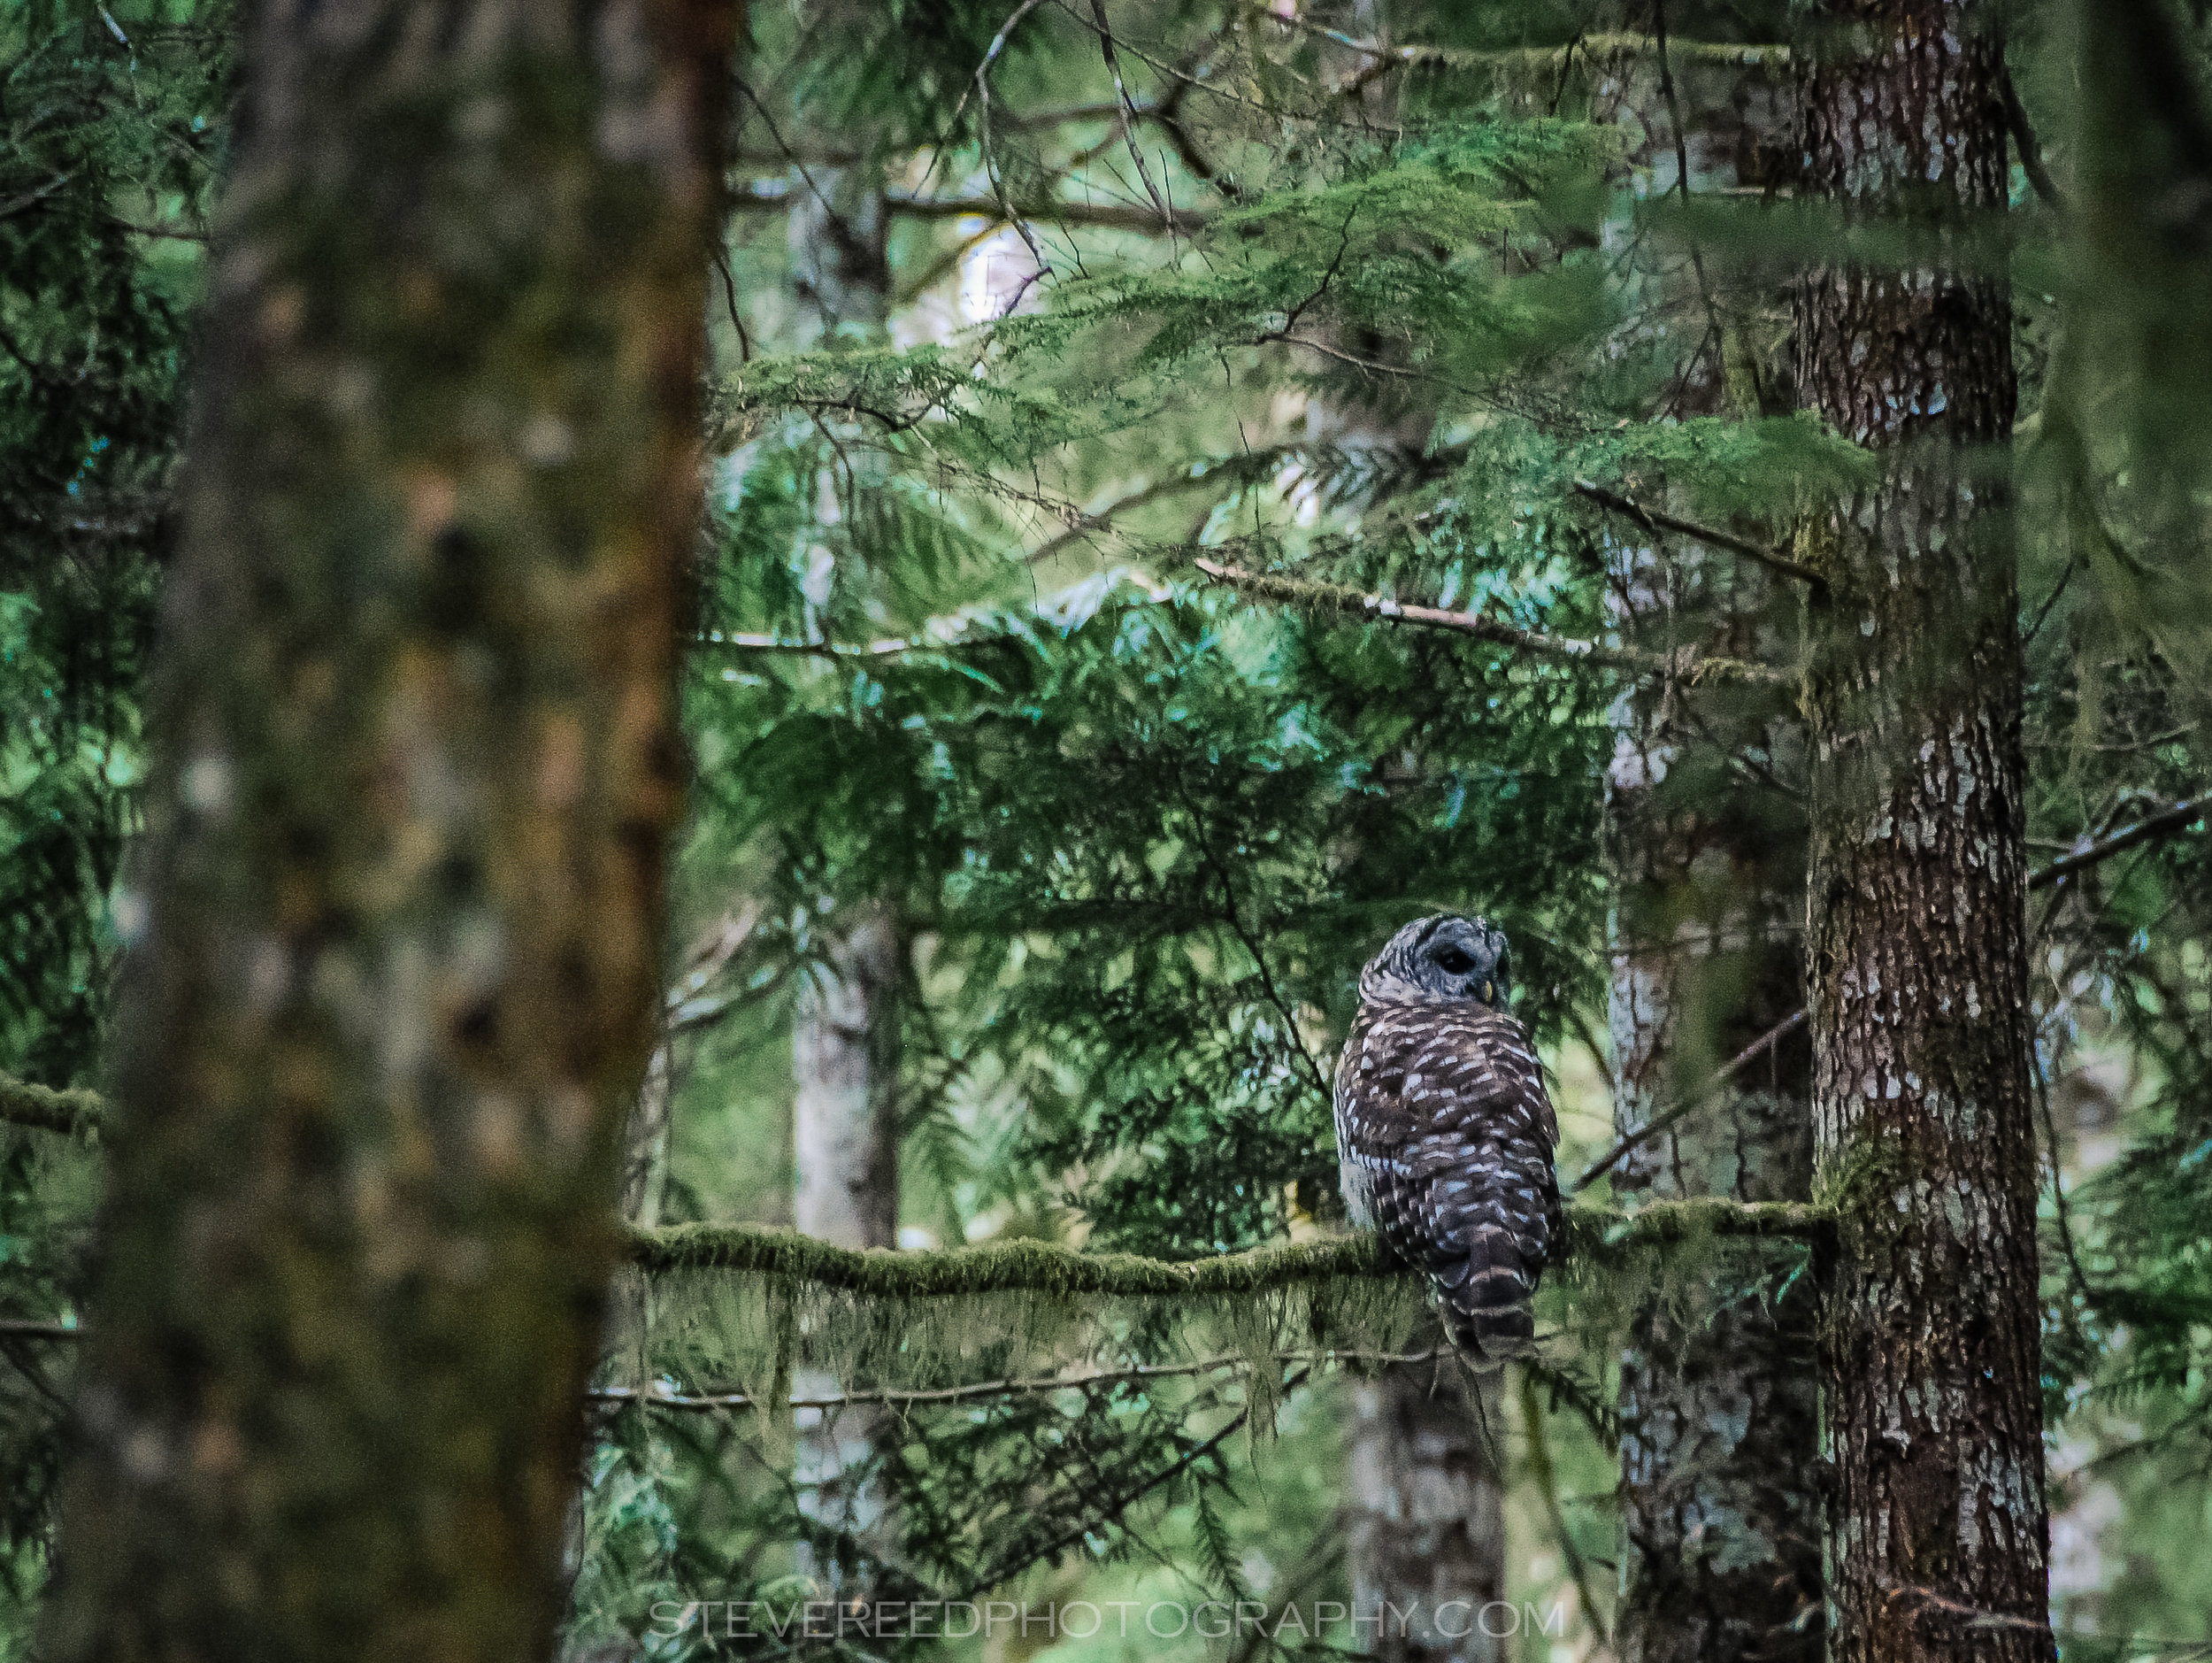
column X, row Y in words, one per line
column 72, row 1113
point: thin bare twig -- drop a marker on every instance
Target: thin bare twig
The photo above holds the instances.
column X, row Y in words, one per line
column 2165, row 823
column 1697, row 1099
column 1331, row 597
column 2031, row 148
column 1656, row 521
column 1126, row 114
column 1976, row 1616
column 983, row 131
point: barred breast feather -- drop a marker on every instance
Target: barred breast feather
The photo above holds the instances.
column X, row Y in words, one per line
column 1445, row 1141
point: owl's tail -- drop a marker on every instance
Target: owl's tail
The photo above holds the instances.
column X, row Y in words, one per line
column 1488, row 1298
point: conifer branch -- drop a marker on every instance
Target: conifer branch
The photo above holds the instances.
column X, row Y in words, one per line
column 760, row 198
column 1656, row 520
column 1332, row 597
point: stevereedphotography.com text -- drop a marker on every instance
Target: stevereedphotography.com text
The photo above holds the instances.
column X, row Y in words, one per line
column 744, row 1619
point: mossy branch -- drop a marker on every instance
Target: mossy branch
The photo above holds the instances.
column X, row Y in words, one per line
column 1023, row 1266
column 1047, row 1267
column 75, row 1114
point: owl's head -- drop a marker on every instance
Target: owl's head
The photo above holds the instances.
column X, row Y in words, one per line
column 1441, row 957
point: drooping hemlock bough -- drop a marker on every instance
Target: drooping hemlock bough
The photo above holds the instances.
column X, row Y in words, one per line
column 403, row 888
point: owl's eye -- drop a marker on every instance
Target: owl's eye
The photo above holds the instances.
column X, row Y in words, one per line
column 1454, row 962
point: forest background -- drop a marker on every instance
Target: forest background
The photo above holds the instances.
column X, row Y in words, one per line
column 1083, row 382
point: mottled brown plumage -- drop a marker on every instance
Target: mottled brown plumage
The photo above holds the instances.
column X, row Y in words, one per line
column 1445, row 1134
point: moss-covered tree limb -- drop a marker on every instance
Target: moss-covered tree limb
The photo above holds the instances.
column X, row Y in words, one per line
column 74, row 1113
column 415, row 763
column 1047, row 1267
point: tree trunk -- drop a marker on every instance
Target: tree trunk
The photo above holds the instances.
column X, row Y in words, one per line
column 1424, row 1520
column 1917, row 892
column 1719, row 1421
column 846, row 1054
column 1720, row 1507
column 645, row 1148
column 845, row 1138
column 845, row 1042
column 396, row 978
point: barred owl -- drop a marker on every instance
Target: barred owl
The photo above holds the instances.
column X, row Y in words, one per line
column 1444, row 1133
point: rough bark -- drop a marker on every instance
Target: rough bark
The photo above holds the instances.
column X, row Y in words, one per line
column 397, row 973
column 1919, row 959
column 1720, row 1423
column 1720, row 1507
column 1425, row 1520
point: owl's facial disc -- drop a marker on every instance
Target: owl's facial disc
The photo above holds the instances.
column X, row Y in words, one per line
column 1463, row 958
column 1445, row 957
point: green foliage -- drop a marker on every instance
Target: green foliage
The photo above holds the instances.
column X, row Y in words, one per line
column 107, row 145
column 953, row 652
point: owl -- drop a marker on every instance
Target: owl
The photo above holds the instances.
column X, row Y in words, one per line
column 1444, row 1133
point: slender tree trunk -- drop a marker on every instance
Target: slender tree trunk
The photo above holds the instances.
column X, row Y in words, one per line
column 845, row 1042
column 846, row 1054
column 1918, row 940
column 645, row 1150
column 1425, row 1519
column 1719, row 1501
column 839, row 249
column 397, row 979
column 1720, row 1507
column 845, row 1126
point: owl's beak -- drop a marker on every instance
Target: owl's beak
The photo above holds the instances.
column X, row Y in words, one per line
column 1488, row 988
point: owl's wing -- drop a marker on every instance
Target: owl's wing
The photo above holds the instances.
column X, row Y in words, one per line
column 1443, row 1112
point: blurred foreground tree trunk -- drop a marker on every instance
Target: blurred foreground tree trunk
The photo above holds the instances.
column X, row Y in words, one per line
column 396, row 968
column 1918, row 947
